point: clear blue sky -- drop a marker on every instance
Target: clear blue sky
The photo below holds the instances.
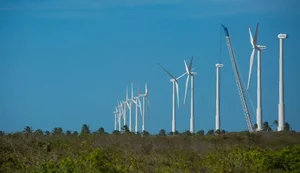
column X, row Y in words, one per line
column 64, row 63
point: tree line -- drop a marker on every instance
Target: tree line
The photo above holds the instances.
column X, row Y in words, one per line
column 85, row 129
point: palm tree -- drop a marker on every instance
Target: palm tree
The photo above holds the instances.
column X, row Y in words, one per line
column 116, row 132
column 57, row 131
column 218, row 131
column 85, row 130
column 101, row 130
column 68, row 133
column 2, row 133
column 162, row 132
column 255, row 126
column 210, row 132
column 200, row 132
column 275, row 123
column 47, row 133
column 39, row 132
column 287, row 126
column 27, row 130
column 266, row 127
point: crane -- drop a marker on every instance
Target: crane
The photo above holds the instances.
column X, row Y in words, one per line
column 238, row 80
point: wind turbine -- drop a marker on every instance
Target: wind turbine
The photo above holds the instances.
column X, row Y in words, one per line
column 124, row 105
column 218, row 96
column 116, row 113
column 190, row 75
column 257, row 48
column 136, row 101
column 175, row 87
column 129, row 105
column 120, row 110
column 145, row 99
column 281, row 106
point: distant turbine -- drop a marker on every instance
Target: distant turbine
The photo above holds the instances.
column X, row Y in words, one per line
column 175, row 87
column 190, row 76
column 116, row 114
column 124, row 112
column 145, row 99
column 281, row 106
column 120, row 110
column 136, row 101
column 218, row 96
column 253, row 42
column 129, row 105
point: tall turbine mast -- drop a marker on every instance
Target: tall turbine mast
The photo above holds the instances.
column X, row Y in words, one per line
column 129, row 105
column 120, row 110
column 145, row 99
column 257, row 48
column 281, row 106
column 175, row 87
column 136, row 101
column 116, row 114
column 218, row 66
column 190, row 76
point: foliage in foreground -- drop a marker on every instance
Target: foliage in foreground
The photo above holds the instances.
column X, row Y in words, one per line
column 232, row 152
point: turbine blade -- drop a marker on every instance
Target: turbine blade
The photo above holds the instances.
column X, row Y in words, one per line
column 186, row 67
column 191, row 64
column 167, row 71
column 181, row 76
column 146, row 89
column 250, row 68
column 131, row 90
column 177, row 92
column 140, row 106
column 251, row 38
column 255, row 35
column 186, row 87
column 127, row 92
column 148, row 108
column 134, row 101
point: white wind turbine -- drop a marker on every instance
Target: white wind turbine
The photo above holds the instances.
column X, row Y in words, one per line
column 175, row 87
column 124, row 105
column 190, row 75
column 257, row 48
column 145, row 99
column 129, row 105
column 116, row 114
column 218, row 66
column 137, row 103
column 120, row 113
column 281, row 106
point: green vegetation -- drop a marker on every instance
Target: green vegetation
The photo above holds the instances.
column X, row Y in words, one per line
column 36, row 151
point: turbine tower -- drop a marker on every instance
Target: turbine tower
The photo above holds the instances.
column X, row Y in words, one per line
column 120, row 110
column 129, row 105
column 218, row 66
column 136, row 101
column 257, row 48
column 145, row 99
column 281, row 106
column 124, row 112
column 175, row 87
column 116, row 114
column 190, row 75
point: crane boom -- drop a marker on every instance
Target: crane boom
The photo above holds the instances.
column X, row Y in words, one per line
column 238, row 80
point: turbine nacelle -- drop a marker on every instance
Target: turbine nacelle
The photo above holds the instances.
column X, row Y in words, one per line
column 261, row 47
column 282, row 36
column 219, row 65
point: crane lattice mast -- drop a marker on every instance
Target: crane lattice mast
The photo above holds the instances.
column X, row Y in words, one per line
column 238, row 80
